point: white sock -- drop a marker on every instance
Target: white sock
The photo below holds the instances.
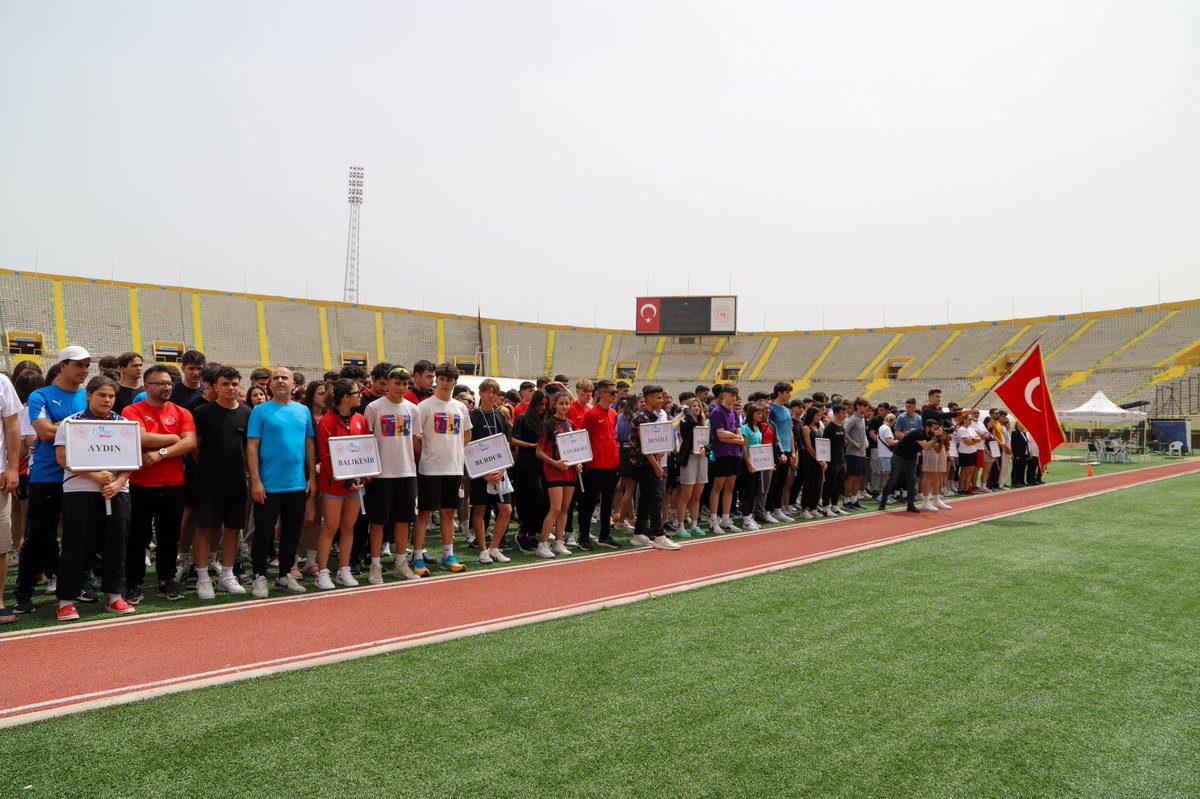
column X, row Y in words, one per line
column 202, row 574
column 62, row 603
column 226, row 571
column 310, row 557
column 113, row 598
column 376, row 562
column 448, row 551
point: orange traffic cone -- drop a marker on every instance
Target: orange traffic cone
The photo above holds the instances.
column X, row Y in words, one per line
column 1089, row 470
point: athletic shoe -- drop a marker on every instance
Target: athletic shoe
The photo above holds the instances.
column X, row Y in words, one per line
column 452, row 565
column 769, row 518
column 714, row 524
column 608, row 543
column 273, row 563
column 401, row 570
column 120, row 607
column 68, row 613
column 375, row 574
column 386, row 552
column 928, row 506
column 52, row 586
column 586, row 545
column 937, row 503
column 624, row 525
column 783, row 517
column 697, row 532
column 133, row 595
column 169, row 591
column 290, row 584
column 913, row 509
column 728, row 526
column 682, row 532
column 662, row 542
column 558, row 548
column 498, row 556
column 323, row 581
column 572, row 541
column 639, row 540
column 839, row 511
column 346, row 577
column 485, row 557
column 855, row 505
column 23, row 607
column 419, row 569
column 671, row 527
column 258, row 588
column 204, row 590
column 87, row 595
column 544, row 551
column 750, row 525
column 807, row 514
column 230, row 584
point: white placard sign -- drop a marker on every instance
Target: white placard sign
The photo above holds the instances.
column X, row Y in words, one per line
column 762, row 457
column 821, row 445
column 487, row 455
column 656, row 437
column 994, row 449
column 575, row 447
column 98, row 445
column 700, row 439
column 353, row 457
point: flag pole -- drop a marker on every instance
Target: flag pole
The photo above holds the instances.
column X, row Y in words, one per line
column 1012, row 366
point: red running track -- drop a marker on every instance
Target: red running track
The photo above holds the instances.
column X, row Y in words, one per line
column 179, row 650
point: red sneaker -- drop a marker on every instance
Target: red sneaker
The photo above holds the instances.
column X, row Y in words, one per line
column 120, row 607
column 68, row 613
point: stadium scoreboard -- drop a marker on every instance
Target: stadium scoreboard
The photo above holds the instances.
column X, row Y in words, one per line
column 686, row 316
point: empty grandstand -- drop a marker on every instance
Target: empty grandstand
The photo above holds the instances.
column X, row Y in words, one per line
column 1128, row 353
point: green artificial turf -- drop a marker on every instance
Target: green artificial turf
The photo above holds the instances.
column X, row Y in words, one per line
column 1052, row 654
column 45, row 605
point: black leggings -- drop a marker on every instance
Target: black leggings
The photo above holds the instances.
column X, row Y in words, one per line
column 811, row 472
column 835, row 478
column 531, row 501
column 87, row 523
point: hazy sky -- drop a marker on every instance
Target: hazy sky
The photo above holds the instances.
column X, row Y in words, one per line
column 853, row 162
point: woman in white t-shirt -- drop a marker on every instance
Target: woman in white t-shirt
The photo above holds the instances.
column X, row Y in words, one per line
column 87, row 522
column 883, row 450
column 967, row 441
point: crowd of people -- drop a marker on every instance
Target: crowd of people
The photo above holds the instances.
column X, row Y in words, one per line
column 236, row 475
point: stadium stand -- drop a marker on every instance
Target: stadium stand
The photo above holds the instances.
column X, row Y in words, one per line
column 1126, row 353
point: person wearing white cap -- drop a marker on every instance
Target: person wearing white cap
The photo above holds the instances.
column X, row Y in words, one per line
column 48, row 406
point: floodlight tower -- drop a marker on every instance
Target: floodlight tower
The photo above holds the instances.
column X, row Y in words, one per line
column 350, row 291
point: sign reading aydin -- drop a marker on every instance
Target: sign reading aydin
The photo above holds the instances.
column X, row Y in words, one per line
column 95, row 445
column 686, row 316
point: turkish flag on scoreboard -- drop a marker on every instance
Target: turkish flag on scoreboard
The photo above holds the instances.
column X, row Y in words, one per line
column 649, row 315
column 1024, row 390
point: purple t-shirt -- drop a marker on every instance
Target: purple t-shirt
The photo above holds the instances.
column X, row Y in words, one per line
column 729, row 419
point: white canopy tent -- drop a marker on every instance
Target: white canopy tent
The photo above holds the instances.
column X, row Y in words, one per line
column 1100, row 410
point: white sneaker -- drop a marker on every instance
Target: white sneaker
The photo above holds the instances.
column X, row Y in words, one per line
column 204, row 590
column 485, row 556
column 572, row 541
column 375, row 575
column 940, row 505
column 750, row 524
column 769, row 518
column 544, row 551
column 258, row 589
column 662, row 542
column 52, row 586
column 928, row 506
column 714, row 524
column 639, row 540
column 346, row 578
column 729, row 526
column 783, row 517
column 229, row 584
column 290, row 584
column 837, row 509
column 402, row 571
column 323, row 581
column 807, row 514
column 498, row 556
column 387, row 550
column 560, row 548
column 624, row 525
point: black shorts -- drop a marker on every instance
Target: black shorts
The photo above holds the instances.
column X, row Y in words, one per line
column 213, row 513
column 439, row 491
column 481, row 496
column 727, row 466
column 856, row 466
column 625, row 466
column 391, row 500
column 672, row 472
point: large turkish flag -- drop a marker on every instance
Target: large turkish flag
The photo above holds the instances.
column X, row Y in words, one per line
column 649, row 314
column 1026, row 393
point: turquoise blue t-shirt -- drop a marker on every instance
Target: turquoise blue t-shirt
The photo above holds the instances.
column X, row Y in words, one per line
column 55, row 404
column 753, row 436
column 282, row 431
column 781, row 422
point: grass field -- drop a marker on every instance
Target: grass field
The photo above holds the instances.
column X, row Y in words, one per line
column 44, row 615
column 1052, row 654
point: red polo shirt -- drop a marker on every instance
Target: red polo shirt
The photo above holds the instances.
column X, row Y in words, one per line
column 170, row 419
column 602, row 433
